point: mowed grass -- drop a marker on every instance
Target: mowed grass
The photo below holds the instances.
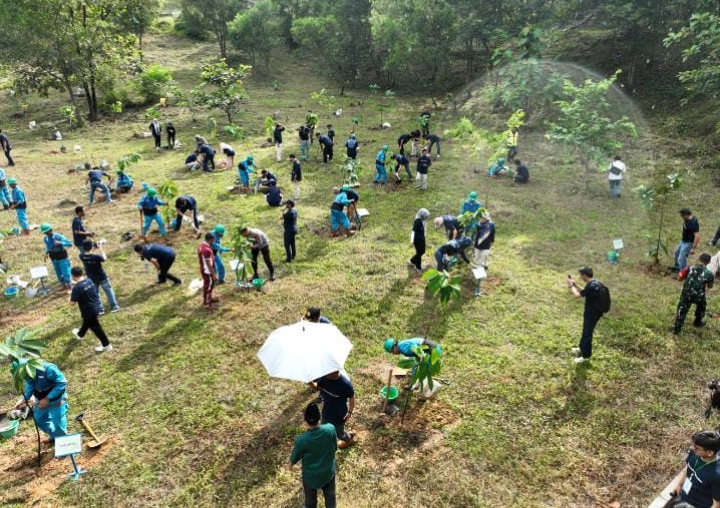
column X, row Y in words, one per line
column 195, row 419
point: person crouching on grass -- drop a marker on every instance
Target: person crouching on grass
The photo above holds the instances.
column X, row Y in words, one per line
column 85, row 295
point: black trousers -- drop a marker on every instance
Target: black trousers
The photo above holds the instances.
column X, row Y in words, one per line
column 92, row 323
column 289, row 241
column 716, row 237
column 266, row 257
column 158, row 140
column 327, row 153
column 419, row 251
column 179, row 219
column 171, row 140
column 164, row 274
column 11, row 162
column 590, row 320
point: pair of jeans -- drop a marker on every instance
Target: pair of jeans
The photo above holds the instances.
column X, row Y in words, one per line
column 62, row 270
column 109, row 292
column 380, row 174
column 93, row 323
column 158, row 140
column 208, row 159
column 4, row 196
column 11, row 162
column 53, row 419
column 615, row 188
column 103, row 187
column 419, row 251
column 715, row 239
column 440, row 259
column 338, row 218
column 422, row 181
column 171, row 140
column 289, row 241
column 590, row 320
column 164, row 273
column 179, row 219
column 682, row 251
column 304, row 149
column 328, row 490
column 22, row 219
column 432, row 143
column 219, row 268
column 407, row 169
column 266, row 258
column 149, row 220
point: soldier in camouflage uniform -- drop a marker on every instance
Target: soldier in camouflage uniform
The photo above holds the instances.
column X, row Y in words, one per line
column 699, row 280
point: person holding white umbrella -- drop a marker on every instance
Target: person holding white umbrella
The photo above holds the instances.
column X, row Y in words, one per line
column 338, row 397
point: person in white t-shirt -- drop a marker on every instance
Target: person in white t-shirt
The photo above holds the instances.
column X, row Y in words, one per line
column 615, row 174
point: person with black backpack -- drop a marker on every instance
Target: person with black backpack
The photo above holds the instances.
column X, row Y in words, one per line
column 698, row 280
column 597, row 303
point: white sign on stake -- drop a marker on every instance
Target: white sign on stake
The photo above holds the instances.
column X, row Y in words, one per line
column 68, row 445
column 618, row 244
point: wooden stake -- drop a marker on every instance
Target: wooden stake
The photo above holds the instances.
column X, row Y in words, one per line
column 387, row 391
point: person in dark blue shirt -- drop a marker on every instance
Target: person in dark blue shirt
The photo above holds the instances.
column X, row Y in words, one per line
column 274, row 196
column 699, row 484
column 93, row 264
column 338, row 403
column 452, row 248
column 331, row 133
column 401, row 161
column 278, row 140
column 85, row 295
column 296, row 175
column 78, row 229
column 522, row 175
column 289, row 218
column 208, row 157
column 327, row 147
column 185, row 204
column 403, row 140
column 352, row 146
column 314, row 315
column 170, row 131
column 162, row 257
column 433, row 139
column 6, row 147
column 94, row 178
column 452, row 226
column 417, row 238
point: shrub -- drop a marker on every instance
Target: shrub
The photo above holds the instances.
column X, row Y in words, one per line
column 153, row 83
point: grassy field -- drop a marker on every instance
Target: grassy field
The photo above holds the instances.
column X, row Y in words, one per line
column 195, row 420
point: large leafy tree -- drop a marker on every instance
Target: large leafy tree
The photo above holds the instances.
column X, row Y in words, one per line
column 137, row 16
column 222, row 87
column 256, row 32
column 214, row 16
column 62, row 44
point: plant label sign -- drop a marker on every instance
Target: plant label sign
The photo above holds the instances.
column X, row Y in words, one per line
column 618, row 244
column 68, row 445
column 39, row 272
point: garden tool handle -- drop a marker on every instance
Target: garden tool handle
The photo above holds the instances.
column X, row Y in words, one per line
column 89, row 430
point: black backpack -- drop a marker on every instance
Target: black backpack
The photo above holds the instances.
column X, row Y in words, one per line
column 603, row 302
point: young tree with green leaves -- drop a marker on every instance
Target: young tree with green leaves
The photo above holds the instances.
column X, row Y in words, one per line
column 652, row 195
column 586, row 123
column 222, row 87
column 257, row 32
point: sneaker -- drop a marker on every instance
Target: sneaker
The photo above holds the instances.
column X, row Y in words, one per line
column 273, row 277
column 411, row 264
column 104, row 349
column 710, row 244
column 476, row 292
column 178, row 283
column 76, row 333
column 699, row 324
column 673, row 268
column 116, row 309
column 219, row 282
column 581, row 359
column 575, row 350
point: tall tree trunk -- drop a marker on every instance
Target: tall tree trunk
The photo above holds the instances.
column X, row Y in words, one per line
column 222, row 41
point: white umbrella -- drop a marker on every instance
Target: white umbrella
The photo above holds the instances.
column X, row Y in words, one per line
column 304, row 351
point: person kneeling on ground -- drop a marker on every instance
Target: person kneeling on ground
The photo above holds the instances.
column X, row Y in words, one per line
column 124, row 182
column 338, row 403
column 338, row 217
column 273, row 197
column 522, row 175
column 499, row 168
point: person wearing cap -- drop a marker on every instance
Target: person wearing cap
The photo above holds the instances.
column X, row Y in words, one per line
column 296, row 175
column 124, row 182
column 522, row 174
column 46, row 393
column 94, row 178
column 407, row 347
column 85, row 295
column 697, row 281
column 380, row 160
column 452, row 248
column 432, row 139
column 417, row 238
column 78, row 229
column 484, row 238
column 327, row 147
column 149, row 208
column 423, row 165
column 244, row 169
column 206, row 258
column 472, row 205
column 162, row 258
column 93, row 265
column 56, row 249
column 616, row 170
column 338, row 397
column 499, row 168
column 689, row 240
column 4, row 192
column 289, row 218
column 316, row 448
column 218, row 232
column 338, row 217
column 352, row 146
column 19, row 204
column 183, row 205
column 699, row 483
column 274, row 196
column 591, row 314
column 260, row 244
column 314, row 315
column 401, row 161
column 452, row 226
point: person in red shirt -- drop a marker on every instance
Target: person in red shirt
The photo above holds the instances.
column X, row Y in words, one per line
column 207, row 270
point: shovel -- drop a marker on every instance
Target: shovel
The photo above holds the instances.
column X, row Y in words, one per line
column 96, row 442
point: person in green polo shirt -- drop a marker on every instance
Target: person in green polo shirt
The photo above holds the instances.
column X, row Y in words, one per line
column 316, row 448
